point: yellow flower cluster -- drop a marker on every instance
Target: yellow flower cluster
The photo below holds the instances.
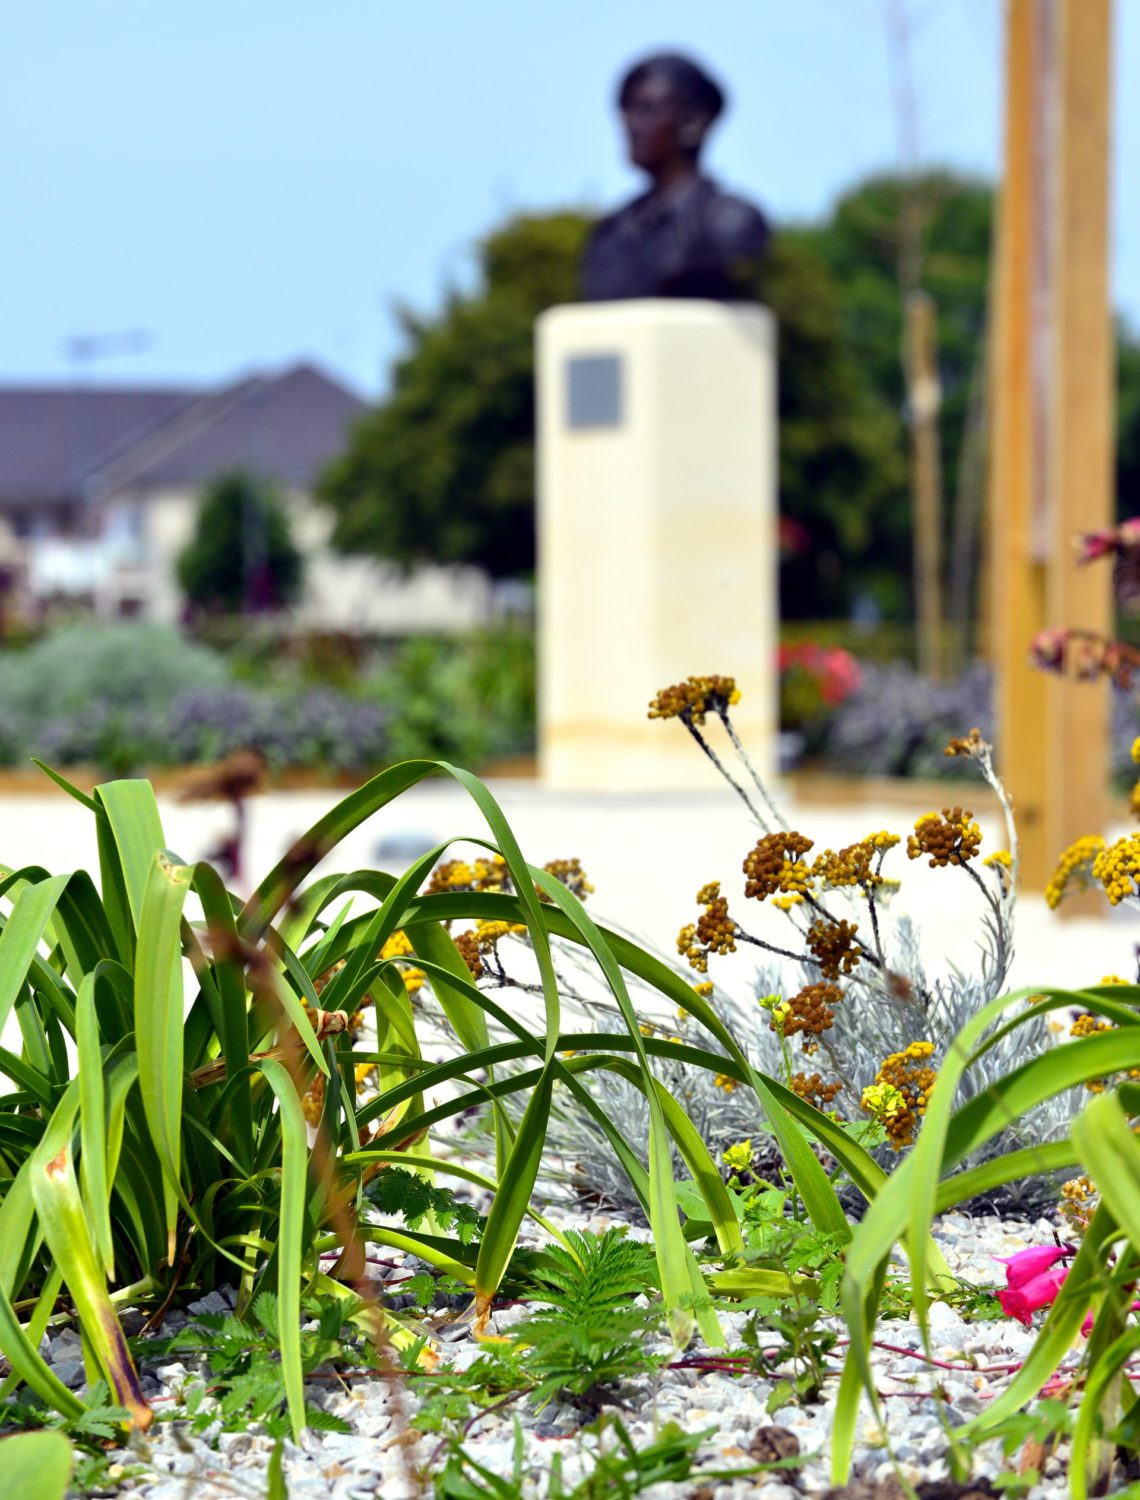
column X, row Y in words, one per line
column 1079, row 1199
column 1074, row 868
column 572, row 876
column 950, row 839
column 692, row 699
column 487, row 934
column 704, row 989
column 1087, row 1025
column 833, row 947
column 908, row 1075
column 853, row 865
column 483, row 874
column 713, row 932
column 883, row 1101
column 1117, row 868
column 811, row 1088
column 397, row 946
column 726, row 1082
column 776, row 866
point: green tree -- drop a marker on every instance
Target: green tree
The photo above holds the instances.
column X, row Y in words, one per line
column 841, row 466
column 443, row 471
column 241, row 558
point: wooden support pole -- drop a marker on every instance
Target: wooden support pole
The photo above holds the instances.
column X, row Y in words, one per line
column 924, row 398
column 1082, row 427
column 1016, row 572
column 1051, row 468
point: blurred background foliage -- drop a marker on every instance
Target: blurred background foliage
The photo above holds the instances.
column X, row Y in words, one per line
column 444, row 469
column 129, row 696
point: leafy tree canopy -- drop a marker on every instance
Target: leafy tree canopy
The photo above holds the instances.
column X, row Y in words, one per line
column 443, row 470
column 241, row 558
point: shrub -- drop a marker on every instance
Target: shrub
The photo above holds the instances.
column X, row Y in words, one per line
column 107, row 665
column 471, row 699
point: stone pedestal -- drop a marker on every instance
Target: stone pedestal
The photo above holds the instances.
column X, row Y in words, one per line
column 657, row 534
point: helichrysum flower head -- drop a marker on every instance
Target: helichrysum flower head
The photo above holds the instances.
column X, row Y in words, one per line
column 1074, row 869
column 859, row 864
column 572, row 876
column 833, row 946
column 713, row 932
column 776, row 866
column 692, row 699
column 971, row 744
column 809, row 1012
column 487, row 873
column 907, row 1079
column 812, row 1088
column 1117, row 868
column 950, row 839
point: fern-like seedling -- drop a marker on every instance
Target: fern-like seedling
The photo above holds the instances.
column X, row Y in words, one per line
column 593, row 1335
column 604, row 1272
column 406, row 1195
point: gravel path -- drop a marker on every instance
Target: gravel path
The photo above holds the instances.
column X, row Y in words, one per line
column 920, row 1402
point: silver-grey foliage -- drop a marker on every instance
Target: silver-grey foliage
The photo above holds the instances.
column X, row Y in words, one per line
column 891, row 1000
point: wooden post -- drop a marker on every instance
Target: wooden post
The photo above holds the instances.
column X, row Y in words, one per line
column 1015, row 575
column 920, row 342
column 1082, row 429
column 1052, row 432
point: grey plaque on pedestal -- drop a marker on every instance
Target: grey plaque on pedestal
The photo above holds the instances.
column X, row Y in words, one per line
column 593, row 390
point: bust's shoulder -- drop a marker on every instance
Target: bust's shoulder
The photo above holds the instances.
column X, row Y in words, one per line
column 734, row 220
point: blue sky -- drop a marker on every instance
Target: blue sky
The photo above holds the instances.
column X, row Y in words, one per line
column 254, row 183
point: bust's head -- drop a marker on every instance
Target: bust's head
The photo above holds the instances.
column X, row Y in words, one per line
column 667, row 104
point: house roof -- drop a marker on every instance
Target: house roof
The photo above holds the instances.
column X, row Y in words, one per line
column 69, row 444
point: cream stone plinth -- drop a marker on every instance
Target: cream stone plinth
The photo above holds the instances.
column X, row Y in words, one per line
column 657, row 533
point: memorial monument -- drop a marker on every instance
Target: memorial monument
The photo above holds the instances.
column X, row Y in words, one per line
column 657, row 461
column 684, row 237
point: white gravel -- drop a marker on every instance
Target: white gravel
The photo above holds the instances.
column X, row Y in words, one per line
column 920, row 1404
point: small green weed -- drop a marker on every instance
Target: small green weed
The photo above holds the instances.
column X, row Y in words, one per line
column 241, row 1365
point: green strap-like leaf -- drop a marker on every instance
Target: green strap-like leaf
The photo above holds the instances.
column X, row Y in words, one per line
column 290, row 1247
column 159, row 1010
column 93, row 1127
column 36, row 1464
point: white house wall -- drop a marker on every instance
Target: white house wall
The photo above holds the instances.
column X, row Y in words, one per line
column 147, row 532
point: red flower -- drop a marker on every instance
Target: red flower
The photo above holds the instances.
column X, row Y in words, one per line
column 1032, row 1280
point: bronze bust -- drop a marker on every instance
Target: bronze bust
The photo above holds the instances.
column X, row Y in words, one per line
column 684, row 237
